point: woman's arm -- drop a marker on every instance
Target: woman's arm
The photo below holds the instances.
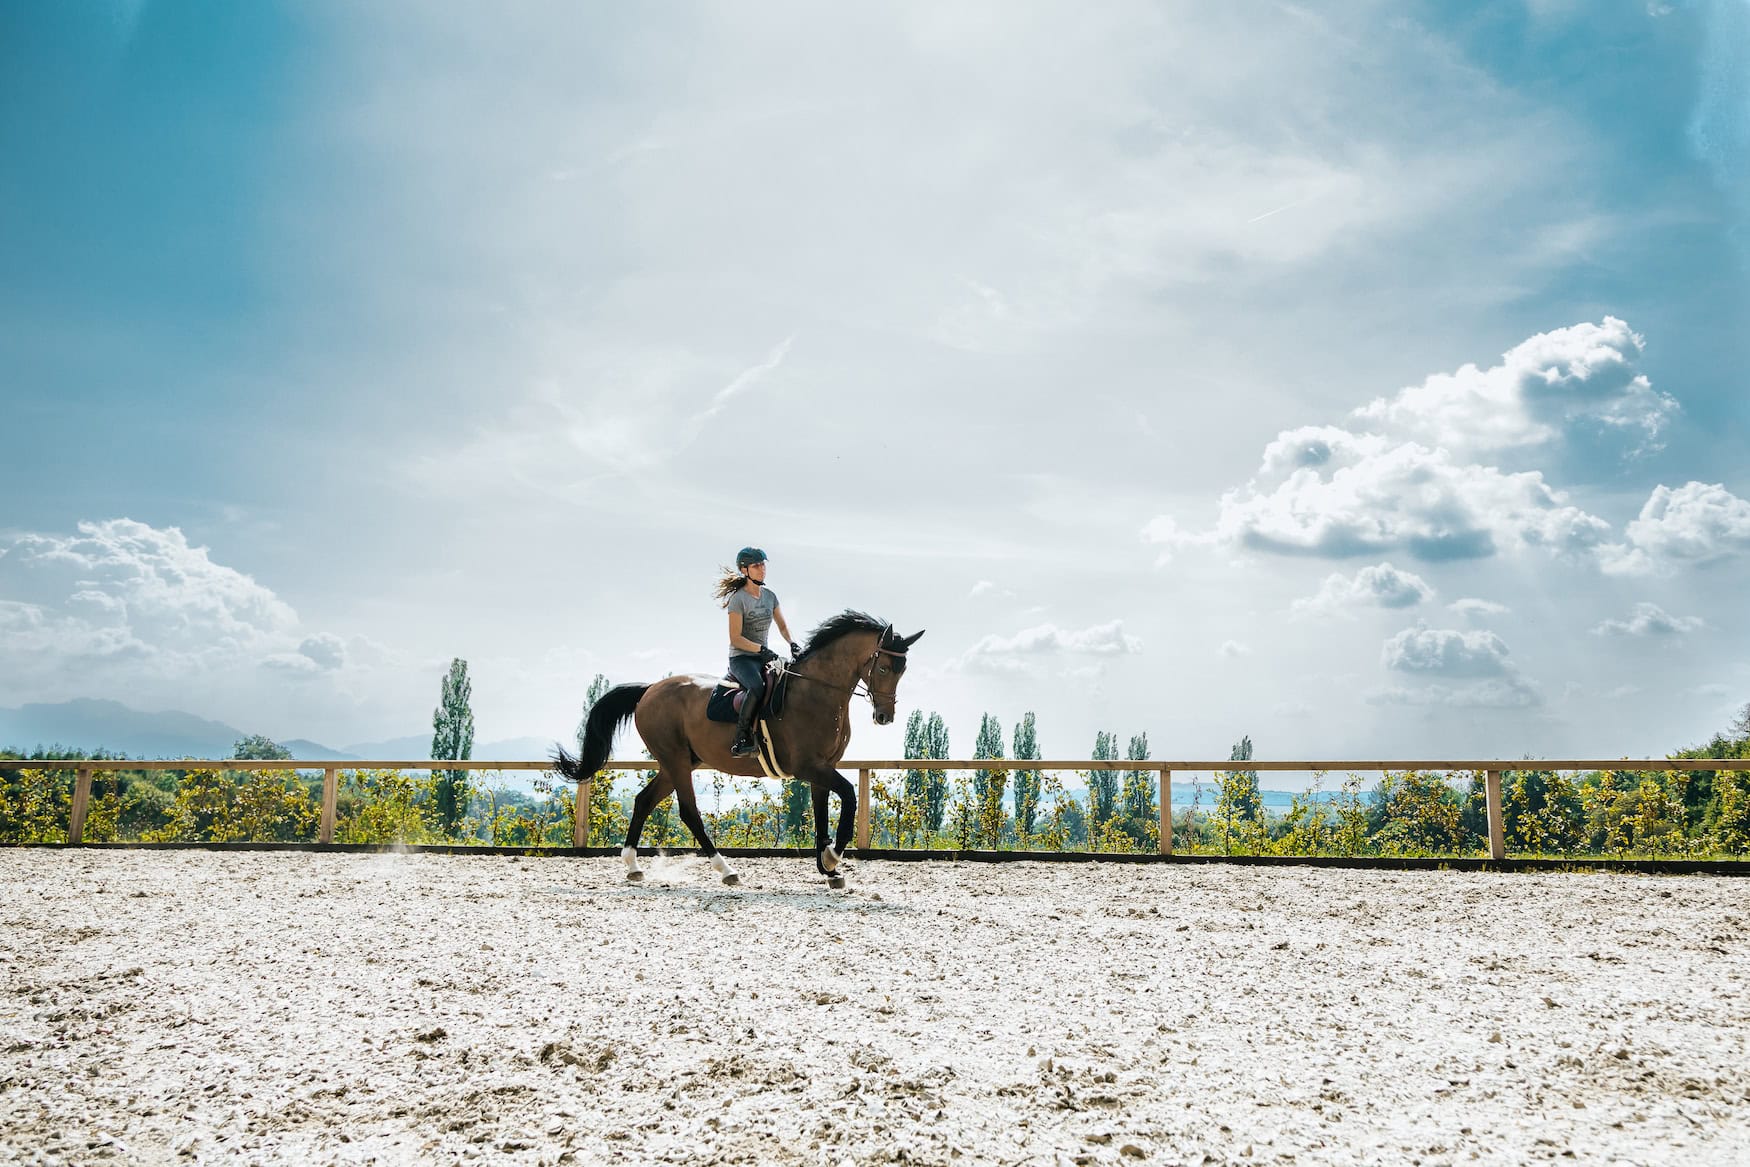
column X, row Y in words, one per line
column 784, row 630
column 736, row 639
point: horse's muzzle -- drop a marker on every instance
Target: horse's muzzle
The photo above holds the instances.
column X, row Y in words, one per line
column 884, row 717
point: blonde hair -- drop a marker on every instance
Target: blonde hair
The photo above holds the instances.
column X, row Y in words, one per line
column 729, row 581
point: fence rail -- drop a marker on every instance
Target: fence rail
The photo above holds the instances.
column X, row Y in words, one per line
column 1491, row 768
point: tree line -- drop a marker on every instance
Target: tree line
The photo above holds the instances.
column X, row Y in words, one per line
column 1621, row 812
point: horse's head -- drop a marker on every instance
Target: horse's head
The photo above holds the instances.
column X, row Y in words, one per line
column 885, row 670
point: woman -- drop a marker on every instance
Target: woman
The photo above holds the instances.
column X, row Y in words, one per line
column 753, row 609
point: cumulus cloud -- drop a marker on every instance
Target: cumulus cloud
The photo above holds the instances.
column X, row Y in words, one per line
column 1416, row 473
column 1446, row 651
column 1650, row 621
column 1380, row 586
column 120, row 604
column 1360, row 494
column 1696, row 523
column 1476, row 660
column 1544, row 387
column 123, row 588
column 1233, row 648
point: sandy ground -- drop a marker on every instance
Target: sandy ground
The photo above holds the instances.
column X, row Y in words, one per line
column 175, row 1007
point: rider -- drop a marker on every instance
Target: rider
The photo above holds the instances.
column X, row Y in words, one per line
column 753, row 609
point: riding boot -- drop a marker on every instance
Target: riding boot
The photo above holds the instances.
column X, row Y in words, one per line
column 742, row 746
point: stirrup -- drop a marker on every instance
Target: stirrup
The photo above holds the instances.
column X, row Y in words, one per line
column 742, row 746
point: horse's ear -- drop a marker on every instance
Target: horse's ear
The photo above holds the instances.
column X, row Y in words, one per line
column 907, row 641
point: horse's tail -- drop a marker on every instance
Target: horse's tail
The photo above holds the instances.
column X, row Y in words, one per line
column 606, row 716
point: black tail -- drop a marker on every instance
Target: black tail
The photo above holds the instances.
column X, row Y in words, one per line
column 606, row 716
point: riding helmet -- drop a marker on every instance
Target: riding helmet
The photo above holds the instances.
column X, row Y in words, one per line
column 748, row 556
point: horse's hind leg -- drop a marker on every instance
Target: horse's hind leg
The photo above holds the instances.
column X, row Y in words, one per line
column 689, row 805
column 653, row 793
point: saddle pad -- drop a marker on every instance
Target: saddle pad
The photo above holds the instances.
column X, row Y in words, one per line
column 725, row 700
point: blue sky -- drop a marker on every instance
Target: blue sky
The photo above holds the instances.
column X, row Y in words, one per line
column 1366, row 378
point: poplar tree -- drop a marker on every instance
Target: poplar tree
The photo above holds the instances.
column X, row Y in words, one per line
column 917, row 745
column 1141, row 819
column 452, row 725
column 597, row 688
column 935, row 781
column 989, row 785
column 1102, row 784
column 1026, row 748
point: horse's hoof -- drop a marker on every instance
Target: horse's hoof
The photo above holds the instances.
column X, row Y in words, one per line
column 836, row 882
column 732, row 880
column 634, row 877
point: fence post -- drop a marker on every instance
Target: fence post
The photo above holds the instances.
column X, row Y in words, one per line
column 580, row 813
column 1166, row 811
column 330, row 800
column 81, row 800
column 863, row 777
column 1497, row 827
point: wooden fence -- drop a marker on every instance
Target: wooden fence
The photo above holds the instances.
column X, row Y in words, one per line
column 1490, row 768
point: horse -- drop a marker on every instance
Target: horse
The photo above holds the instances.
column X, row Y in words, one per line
column 850, row 654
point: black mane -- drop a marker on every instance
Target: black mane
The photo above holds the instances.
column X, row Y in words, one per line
column 838, row 627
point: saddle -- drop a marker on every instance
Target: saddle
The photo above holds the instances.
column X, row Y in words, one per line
column 728, row 697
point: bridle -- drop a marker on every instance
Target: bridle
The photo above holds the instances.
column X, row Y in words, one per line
column 860, row 686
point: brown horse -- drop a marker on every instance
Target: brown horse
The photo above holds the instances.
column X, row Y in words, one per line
column 848, row 654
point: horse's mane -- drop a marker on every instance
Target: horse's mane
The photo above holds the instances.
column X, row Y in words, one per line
column 838, row 627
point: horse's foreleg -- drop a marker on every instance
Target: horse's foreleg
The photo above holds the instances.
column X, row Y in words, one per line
column 847, row 810
column 826, row 855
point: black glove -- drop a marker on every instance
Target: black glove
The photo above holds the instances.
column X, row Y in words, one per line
column 795, row 650
column 767, row 656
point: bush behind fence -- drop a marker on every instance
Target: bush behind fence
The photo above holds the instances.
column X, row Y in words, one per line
column 1408, row 813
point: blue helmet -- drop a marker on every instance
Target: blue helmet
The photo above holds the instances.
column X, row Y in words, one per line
column 748, row 556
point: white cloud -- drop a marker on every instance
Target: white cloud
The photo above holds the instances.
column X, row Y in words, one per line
column 1380, row 585
column 1650, row 620
column 1416, row 473
column 1544, row 387
column 1477, row 610
column 1477, row 660
column 1233, row 648
column 1697, row 523
column 121, row 589
column 123, row 609
column 1107, row 639
column 1446, row 652
column 1329, row 493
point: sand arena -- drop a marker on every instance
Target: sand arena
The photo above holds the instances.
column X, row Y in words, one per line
column 191, row 1006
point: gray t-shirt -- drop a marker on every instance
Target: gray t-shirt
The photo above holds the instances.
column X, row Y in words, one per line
column 756, row 616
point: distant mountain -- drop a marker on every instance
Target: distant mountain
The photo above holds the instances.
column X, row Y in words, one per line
column 89, row 724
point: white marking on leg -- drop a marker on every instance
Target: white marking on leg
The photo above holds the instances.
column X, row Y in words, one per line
column 629, row 856
column 829, row 858
column 721, row 865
